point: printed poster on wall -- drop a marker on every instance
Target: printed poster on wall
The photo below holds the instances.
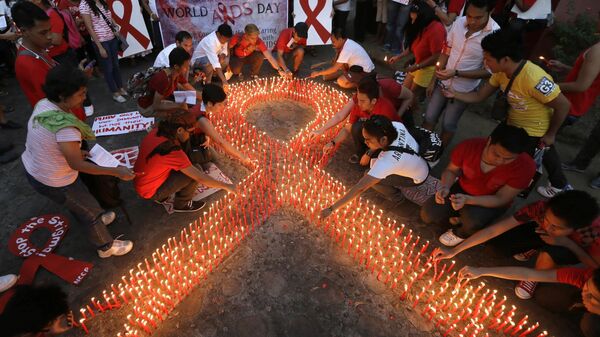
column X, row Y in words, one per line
column 128, row 15
column 318, row 15
column 201, row 17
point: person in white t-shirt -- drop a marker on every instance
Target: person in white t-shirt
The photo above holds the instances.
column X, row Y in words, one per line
column 531, row 21
column 348, row 54
column 211, row 54
column 341, row 10
column 397, row 165
column 459, row 67
column 183, row 39
column 53, row 158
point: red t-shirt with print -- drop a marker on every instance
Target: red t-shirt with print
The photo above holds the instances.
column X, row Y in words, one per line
column 163, row 84
column 382, row 107
column 283, row 41
column 429, row 42
column 574, row 276
column 57, row 26
column 242, row 48
column 467, row 156
column 587, row 237
column 391, row 90
column 153, row 172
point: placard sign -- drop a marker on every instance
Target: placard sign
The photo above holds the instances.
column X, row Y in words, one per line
column 318, row 15
column 121, row 123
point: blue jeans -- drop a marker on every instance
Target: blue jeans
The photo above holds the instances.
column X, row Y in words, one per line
column 110, row 65
column 452, row 110
column 84, row 207
column 398, row 15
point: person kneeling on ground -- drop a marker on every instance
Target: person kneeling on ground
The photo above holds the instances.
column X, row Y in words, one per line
column 491, row 173
column 562, row 229
column 34, row 311
column 397, row 164
column 291, row 42
column 248, row 48
column 165, row 169
column 158, row 100
column 588, row 280
column 183, row 39
column 197, row 148
column 365, row 103
column 211, row 54
column 53, row 157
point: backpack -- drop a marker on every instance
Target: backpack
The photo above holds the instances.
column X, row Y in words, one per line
column 137, row 85
column 70, row 30
column 430, row 145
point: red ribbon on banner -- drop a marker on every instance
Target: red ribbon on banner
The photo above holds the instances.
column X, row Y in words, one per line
column 223, row 10
column 126, row 26
column 311, row 18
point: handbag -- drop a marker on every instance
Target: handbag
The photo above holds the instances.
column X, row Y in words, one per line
column 501, row 105
column 122, row 41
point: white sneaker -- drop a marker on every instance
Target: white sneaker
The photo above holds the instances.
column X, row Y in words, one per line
column 108, row 217
column 89, row 110
column 525, row 256
column 7, row 281
column 118, row 248
column 119, row 99
column 549, row 191
column 450, row 239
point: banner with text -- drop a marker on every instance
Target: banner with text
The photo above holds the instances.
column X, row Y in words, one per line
column 128, row 15
column 318, row 15
column 201, row 17
column 127, row 122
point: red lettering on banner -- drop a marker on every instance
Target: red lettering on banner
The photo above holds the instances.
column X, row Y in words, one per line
column 126, row 26
column 312, row 20
column 69, row 269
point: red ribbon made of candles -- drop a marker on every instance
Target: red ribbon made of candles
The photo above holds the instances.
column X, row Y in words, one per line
column 311, row 18
column 126, row 26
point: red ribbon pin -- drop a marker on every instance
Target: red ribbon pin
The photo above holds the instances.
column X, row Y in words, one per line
column 125, row 23
column 311, row 18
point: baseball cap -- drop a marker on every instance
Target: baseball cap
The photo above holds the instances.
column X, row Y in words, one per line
column 301, row 29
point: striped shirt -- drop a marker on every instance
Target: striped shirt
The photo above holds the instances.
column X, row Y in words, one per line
column 42, row 158
column 101, row 28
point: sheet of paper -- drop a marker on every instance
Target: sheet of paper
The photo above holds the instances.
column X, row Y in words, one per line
column 3, row 23
column 100, row 156
column 188, row 96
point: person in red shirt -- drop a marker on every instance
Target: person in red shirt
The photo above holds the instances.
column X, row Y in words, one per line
column 365, row 103
column 562, row 230
column 425, row 37
column 291, row 42
column 479, row 183
column 586, row 279
column 158, row 101
column 248, row 48
column 447, row 11
column 59, row 49
column 163, row 168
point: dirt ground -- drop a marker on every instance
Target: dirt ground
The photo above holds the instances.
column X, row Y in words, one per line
column 287, row 279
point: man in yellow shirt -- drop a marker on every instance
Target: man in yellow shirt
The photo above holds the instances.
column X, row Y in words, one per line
column 536, row 103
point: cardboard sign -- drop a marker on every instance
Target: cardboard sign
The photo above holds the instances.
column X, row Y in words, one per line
column 126, row 156
column 128, row 15
column 317, row 15
column 201, row 18
column 121, row 123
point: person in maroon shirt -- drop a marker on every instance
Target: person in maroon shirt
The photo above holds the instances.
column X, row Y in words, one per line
column 36, row 311
column 479, row 183
column 586, row 280
column 248, row 48
column 158, row 101
column 564, row 230
column 291, row 42
column 365, row 103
